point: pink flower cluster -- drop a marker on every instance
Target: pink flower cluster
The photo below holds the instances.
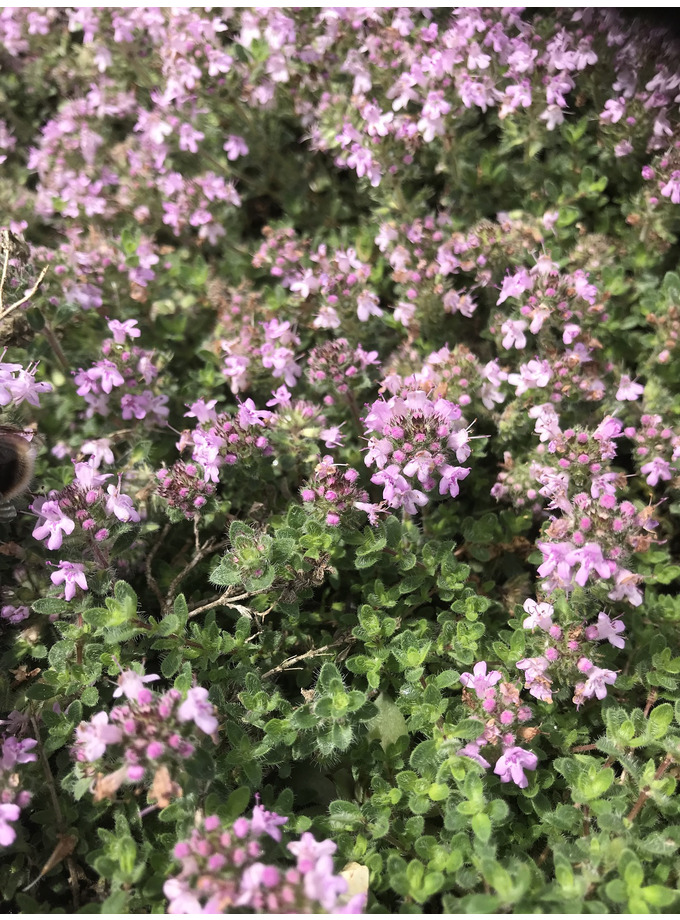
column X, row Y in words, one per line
column 416, row 436
column 18, row 384
column 414, row 78
column 335, row 366
column 222, row 869
column 271, row 344
column 595, row 531
column 147, row 732
column 12, row 798
column 184, row 488
column 563, row 653
column 85, row 513
column 497, row 705
column 225, row 439
column 127, row 370
column 333, row 493
column 657, row 449
column 13, row 614
column 332, row 283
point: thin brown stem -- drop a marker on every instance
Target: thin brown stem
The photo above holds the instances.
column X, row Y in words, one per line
column 66, row 841
column 200, row 554
column 644, row 793
column 651, row 699
column 354, row 409
column 49, row 334
column 79, row 642
column 226, row 600
column 544, row 855
column 151, row 581
column 312, row 653
column 27, row 295
column 48, row 776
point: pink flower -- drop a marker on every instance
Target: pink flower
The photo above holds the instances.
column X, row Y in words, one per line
column 656, row 469
column 471, row 750
column 55, row 524
column 515, row 285
column 607, row 629
column 131, row 685
column 267, row 822
column 539, row 615
column 121, row 331
column 181, row 898
column 198, row 710
column 628, row 390
column 479, row 680
column 308, row 850
column 121, row 505
column 626, row 587
column 15, row 752
column 71, row 575
column 8, row 813
column 367, row 305
column 92, row 737
column 590, row 559
column 672, row 188
column 513, row 332
column 533, row 668
column 512, row 764
column 596, row 683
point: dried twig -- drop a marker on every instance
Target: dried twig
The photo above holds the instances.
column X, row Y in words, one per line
column 644, row 793
column 312, row 653
column 66, row 842
column 651, row 699
column 226, row 600
column 27, row 295
column 201, row 552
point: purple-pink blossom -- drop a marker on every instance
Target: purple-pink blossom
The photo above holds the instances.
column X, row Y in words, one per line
column 608, row 629
column 479, row 680
column 72, row 576
column 512, row 763
column 198, row 710
column 54, row 524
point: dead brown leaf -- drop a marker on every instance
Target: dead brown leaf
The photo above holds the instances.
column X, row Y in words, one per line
column 164, row 789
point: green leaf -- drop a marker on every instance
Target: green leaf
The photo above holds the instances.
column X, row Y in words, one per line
column 171, row 664
column 468, row 729
column 236, row 804
column 389, row 724
column 50, row 606
column 116, row 903
column 660, row 719
column 344, row 815
column 329, row 678
column 481, row 827
column 40, row 691
column 89, row 696
column 658, row 896
column 168, row 626
column 616, row 891
column 424, row 759
column 180, row 608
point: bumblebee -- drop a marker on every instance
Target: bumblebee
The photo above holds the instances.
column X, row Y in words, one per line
column 17, row 462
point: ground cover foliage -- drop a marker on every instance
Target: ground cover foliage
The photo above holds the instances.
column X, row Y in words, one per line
column 352, row 542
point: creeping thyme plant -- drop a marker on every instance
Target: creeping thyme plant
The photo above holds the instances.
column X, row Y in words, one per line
column 345, row 345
